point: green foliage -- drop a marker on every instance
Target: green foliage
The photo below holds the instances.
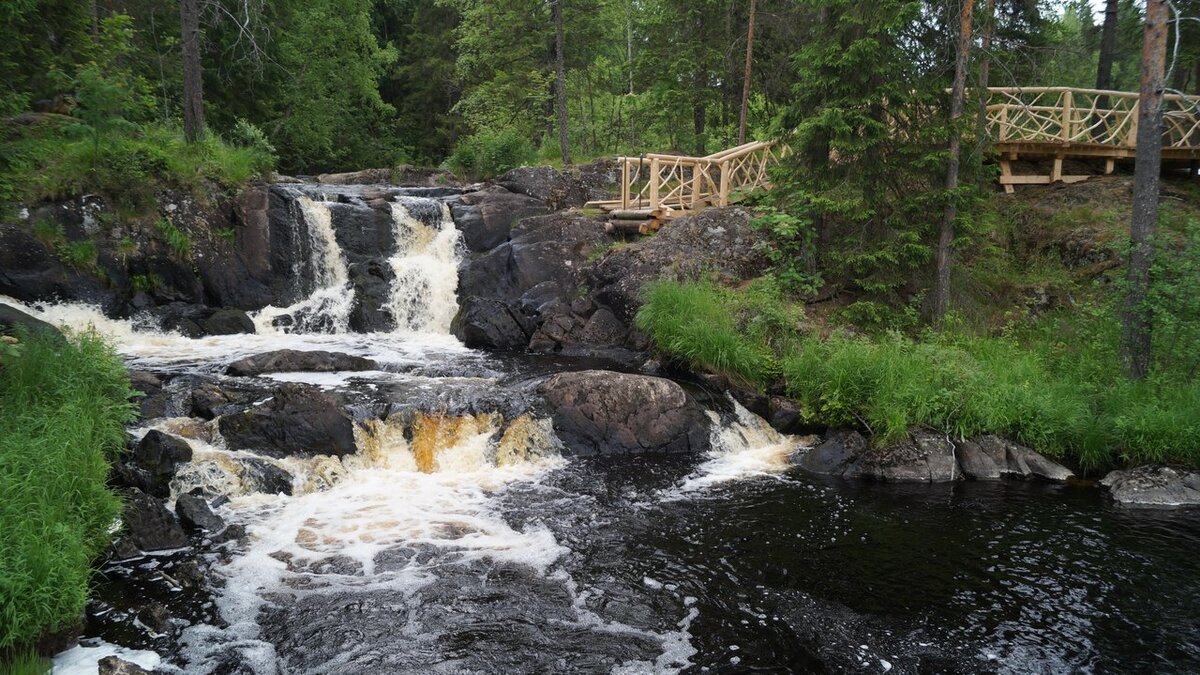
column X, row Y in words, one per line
column 25, row 662
column 79, row 254
column 63, row 411
column 1053, row 385
column 48, row 231
column 245, row 134
column 487, row 154
column 722, row 331
column 176, row 239
column 227, row 234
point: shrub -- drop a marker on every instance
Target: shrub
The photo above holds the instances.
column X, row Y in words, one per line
column 178, row 240
column 487, row 154
column 63, row 411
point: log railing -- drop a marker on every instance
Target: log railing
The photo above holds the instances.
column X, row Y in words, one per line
column 1068, row 116
column 664, row 184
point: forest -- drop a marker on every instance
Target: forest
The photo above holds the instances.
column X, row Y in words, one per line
column 199, row 199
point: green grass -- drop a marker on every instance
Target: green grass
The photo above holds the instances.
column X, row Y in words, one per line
column 124, row 164
column 1055, row 385
column 63, row 411
column 176, row 239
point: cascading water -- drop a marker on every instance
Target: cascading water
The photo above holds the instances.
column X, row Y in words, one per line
column 423, row 294
column 327, row 308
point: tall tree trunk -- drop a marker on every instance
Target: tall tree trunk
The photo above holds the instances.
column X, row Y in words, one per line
column 941, row 294
column 1135, row 320
column 746, row 80
column 193, row 82
column 560, row 82
column 1108, row 45
column 985, row 70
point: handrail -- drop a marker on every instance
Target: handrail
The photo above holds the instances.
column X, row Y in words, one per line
column 668, row 183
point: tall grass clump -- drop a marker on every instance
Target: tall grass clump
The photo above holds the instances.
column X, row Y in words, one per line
column 716, row 329
column 63, row 410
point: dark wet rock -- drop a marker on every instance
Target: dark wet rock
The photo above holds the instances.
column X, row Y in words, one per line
column 784, row 416
column 717, row 242
column 14, row 321
column 485, row 218
column 291, row 360
column 31, row 271
column 607, row 413
column 147, row 525
column 208, row 400
column 992, row 457
column 156, row 617
column 263, row 476
column 603, row 328
column 125, row 475
column 160, row 455
column 601, row 179
column 196, row 516
column 927, row 457
column 361, row 177
column 533, row 276
column 298, row 419
column 488, row 324
column 558, row 190
column 1154, row 485
column 195, row 321
column 839, row 449
column 153, row 402
column 559, row 327
column 113, row 665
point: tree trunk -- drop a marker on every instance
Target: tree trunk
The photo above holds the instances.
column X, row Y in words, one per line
column 1135, row 320
column 1108, row 45
column 560, row 82
column 746, row 80
column 941, row 295
column 985, row 69
column 193, row 83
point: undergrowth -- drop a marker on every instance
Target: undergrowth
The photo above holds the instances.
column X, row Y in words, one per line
column 63, row 410
column 1054, row 384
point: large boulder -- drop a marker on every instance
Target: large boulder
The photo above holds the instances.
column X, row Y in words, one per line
column 486, row 217
column 1154, row 485
column 298, row 419
column 196, row 321
column 13, row 320
column 515, row 285
column 992, row 457
column 714, row 241
column 147, row 525
column 159, row 455
column 292, row 361
column 599, row 412
column 558, row 190
column 196, row 516
column 488, row 323
column 928, row 457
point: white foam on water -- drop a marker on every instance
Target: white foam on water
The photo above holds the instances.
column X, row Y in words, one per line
column 81, row 660
column 326, row 309
column 423, row 295
column 746, row 447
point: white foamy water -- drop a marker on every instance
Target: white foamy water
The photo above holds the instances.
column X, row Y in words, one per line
column 744, row 448
column 424, row 293
column 83, row 660
column 326, row 309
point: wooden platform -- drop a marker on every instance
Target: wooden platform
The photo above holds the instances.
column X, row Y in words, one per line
column 1059, row 123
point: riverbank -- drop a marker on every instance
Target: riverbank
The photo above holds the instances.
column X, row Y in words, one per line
column 66, row 404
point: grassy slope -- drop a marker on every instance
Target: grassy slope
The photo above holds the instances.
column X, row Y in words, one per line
column 63, row 411
column 1050, row 378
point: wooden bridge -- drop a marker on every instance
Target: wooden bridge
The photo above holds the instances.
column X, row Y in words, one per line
column 658, row 187
column 1060, row 123
column 1055, row 123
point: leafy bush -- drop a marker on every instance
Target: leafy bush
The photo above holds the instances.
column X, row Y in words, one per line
column 178, row 240
column 246, row 135
column 487, row 154
column 63, row 411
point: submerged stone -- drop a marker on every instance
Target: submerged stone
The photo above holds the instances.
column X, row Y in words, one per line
column 1154, row 485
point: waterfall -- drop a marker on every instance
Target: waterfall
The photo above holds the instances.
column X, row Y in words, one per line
column 327, row 308
column 425, row 263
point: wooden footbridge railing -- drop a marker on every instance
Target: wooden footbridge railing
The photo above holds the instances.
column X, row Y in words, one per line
column 659, row 186
column 1062, row 123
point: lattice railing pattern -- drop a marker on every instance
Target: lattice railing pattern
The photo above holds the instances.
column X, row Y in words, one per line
column 672, row 182
column 1069, row 116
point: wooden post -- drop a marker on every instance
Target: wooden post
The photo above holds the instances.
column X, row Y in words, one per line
column 1131, row 140
column 625, row 183
column 723, row 199
column 1003, row 135
column 1066, row 116
column 1109, row 165
column 654, row 178
column 696, row 184
column 1056, row 173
